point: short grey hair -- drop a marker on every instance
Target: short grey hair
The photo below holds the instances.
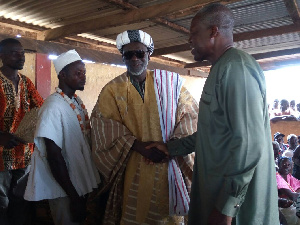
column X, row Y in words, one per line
column 219, row 15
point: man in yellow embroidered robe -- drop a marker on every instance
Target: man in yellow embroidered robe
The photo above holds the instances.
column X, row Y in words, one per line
column 124, row 121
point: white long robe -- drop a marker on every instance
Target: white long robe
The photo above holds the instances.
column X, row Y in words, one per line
column 58, row 122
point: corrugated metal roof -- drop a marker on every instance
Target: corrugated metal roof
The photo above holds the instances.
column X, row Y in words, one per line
column 250, row 15
column 278, row 42
column 263, row 11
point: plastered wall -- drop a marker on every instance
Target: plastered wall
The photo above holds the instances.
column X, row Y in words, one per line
column 29, row 66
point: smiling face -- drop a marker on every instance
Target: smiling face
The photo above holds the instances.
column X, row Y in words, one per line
column 285, row 167
column 201, row 40
column 136, row 65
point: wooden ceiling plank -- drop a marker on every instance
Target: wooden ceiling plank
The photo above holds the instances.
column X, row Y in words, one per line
column 172, row 49
column 161, row 21
column 293, row 9
column 273, row 54
column 236, row 37
column 134, row 15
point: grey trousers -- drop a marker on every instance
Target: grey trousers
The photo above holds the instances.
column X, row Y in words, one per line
column 13, row 209
column 60, row 211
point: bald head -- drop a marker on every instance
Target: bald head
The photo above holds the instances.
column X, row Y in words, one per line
column 219, row 15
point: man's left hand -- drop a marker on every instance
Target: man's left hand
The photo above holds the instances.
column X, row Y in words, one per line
column 217, row 218
column 9, row 140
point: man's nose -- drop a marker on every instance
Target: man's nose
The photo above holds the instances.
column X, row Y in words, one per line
column 21, row 55
column 134, row 57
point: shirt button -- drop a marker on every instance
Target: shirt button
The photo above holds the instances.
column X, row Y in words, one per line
column 237, row 206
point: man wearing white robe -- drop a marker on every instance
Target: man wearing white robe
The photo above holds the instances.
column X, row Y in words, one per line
column 62, row 170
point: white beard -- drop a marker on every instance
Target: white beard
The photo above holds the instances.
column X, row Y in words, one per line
column 138, row 73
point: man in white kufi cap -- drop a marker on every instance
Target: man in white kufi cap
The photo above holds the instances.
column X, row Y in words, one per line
column 62, row 169
column 134, row 109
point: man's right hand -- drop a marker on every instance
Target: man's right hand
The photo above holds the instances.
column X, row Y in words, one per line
column 217, row 218
column 284, row 203
column 8, row 140
column 160, row 146
column 153, row 154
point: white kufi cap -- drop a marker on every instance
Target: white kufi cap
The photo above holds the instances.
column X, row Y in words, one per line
column 65, row 59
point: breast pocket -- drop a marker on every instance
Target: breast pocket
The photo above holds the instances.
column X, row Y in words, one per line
column 205, row 109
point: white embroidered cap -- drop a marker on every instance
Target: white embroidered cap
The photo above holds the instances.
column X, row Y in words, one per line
column 64, row 59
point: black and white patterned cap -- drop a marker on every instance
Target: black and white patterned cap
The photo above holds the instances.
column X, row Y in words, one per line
column 130, row 36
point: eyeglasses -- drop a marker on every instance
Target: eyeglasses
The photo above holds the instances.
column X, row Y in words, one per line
column 138, row 53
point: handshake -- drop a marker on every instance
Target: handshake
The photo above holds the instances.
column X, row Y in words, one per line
column 153, row 151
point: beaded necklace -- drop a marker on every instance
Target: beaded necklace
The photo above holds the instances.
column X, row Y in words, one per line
column 69, row 101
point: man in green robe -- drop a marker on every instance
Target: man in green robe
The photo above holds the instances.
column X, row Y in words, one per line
column 234, row 175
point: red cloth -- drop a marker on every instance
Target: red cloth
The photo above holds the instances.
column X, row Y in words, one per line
column 12, row 110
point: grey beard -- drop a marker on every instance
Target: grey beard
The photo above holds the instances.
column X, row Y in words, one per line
column 137, row 73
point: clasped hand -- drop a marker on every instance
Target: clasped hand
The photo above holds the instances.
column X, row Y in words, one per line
column 9, row 140
column 149, row 151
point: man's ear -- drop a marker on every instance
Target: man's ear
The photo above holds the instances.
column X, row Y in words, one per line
column 214, row 31
column 61, row 75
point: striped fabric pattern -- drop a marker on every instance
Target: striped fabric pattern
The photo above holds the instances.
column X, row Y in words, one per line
column 111, row 143
column 167, row 88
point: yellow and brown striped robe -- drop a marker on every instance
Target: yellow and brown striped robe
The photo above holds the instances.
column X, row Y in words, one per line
column 138, row 192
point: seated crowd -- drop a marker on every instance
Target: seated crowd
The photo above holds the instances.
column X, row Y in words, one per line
column 287, row 163
column 285, row 110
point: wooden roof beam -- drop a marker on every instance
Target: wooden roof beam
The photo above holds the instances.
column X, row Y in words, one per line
column 259, row 56
column 293, row 10
column 236, row 37
column 191, row 11
column 161, row 21
column 133, row 16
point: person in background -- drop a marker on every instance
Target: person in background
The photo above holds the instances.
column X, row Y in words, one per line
column 285, row 113
column 298, row 110
column 288, row 189
column 296, row 160
column 292, row 141
column 17, row 97
column 285, row 107
column 276, row 150
column 62, row 169
column 279, row 137
column 275, row 109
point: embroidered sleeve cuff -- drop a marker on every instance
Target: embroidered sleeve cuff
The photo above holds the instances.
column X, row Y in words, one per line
column 228, row 205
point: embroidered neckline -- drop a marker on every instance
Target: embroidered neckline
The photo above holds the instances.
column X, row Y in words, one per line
column 69, row 101
column 17, row 95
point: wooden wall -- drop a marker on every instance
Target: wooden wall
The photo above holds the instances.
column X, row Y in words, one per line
column 286, row 128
